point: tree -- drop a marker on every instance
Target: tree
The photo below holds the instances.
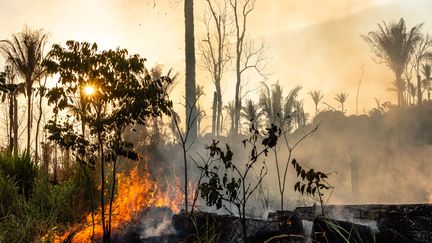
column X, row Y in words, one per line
column 277, row 108
column 11, row 90
column 341, row 98
column 183, row 141
column 393, row 44
column 247, row 55
column 420, row 54
column 426, row 70
column 42, row 91
column 316, row 97
column 215, row 52
column 230, row 110
column 25, row 53
column 190, row 68
column 252, row 113
column 123, row 95
column 200, row 91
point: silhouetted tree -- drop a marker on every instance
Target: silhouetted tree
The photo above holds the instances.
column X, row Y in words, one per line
column 420, row 54
column 25, row 53
column 190, row 68
column 393, row 44
column 230, row 110
column 251, row 113
column 200, row 92
column 247, row 55
column 341, row 98
column 427, row 73
column 41, row 91
column 277, row 108
column 215, row 52
column 12, row 90
column 316, row 97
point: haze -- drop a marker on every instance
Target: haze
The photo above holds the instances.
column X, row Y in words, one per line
column 315, row 45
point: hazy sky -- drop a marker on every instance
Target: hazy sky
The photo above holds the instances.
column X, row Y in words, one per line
column 312, row 43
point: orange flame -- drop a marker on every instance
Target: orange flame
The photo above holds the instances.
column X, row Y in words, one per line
column 135, row 192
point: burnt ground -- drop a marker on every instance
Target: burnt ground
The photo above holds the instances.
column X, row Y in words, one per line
column 344, row 223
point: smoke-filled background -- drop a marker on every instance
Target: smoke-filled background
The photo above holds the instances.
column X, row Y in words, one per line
column 315, row 45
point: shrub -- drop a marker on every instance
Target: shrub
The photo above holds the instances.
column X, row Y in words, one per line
column 20, row 169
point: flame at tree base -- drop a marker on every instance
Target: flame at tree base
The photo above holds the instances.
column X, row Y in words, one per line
column 135, row 193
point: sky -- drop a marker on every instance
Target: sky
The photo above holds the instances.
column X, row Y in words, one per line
column 312, row 43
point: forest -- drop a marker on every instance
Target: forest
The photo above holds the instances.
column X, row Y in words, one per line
column 103, row 145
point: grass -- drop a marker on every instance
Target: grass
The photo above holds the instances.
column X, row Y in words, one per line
column 30, row 206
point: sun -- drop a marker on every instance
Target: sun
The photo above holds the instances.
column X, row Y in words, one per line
column 89, row 90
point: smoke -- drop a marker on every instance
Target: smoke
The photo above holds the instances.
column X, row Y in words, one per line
column 162, row 228
column 156, row 222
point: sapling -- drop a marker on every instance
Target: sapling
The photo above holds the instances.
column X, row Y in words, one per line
column 228, row 181
column 312, row 182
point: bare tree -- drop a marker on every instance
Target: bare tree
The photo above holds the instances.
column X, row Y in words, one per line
column 184, row 141
column 247, row 54
column 200, row 92
column 215, row 51
column 42, row 92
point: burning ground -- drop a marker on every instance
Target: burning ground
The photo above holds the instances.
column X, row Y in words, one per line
column 137, row 193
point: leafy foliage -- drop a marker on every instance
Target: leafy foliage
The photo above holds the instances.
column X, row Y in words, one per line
column 5, row 87
column 122, row 84
column 312, row 182
column 20, row 170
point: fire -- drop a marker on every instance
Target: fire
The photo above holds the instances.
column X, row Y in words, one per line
column 136, row 191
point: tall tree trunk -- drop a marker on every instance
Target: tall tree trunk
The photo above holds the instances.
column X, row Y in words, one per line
column 236, row 116
column 15, row 123
column 219, row 112
column 215, row 113
column 419, row 90
column 399, row 87
column 191, row 111
column 29, row 115
column 41, row 95
column 11, row 122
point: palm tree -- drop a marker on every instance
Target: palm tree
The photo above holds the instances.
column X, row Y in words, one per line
column 341, row 98
column 426, row 70
column 394, row 44
column 25, row 53
column 316, row 97
column 291, row 106
column 13, row 106
column 275, row 106
column 251, row 113
column 230, row 109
